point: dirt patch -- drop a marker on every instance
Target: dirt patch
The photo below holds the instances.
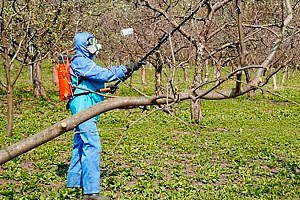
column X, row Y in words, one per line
column 5, row 181
column 27, row 166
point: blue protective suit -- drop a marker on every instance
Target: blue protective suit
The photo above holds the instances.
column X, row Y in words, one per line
column 84, row 169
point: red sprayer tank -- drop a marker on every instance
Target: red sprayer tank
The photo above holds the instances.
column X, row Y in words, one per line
column 64, row 77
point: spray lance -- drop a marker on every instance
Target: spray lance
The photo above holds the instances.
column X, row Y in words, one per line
column 124, row 32
column 162, row 40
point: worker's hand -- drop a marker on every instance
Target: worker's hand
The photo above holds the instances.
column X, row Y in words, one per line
column 131, row 67
column 112, row 88
column 109, row 89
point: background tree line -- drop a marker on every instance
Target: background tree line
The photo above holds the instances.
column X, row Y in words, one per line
column 228, row 48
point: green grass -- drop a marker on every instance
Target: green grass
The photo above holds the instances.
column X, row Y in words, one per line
column 244, row 149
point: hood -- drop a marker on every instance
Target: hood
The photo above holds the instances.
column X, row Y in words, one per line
column 80, row 42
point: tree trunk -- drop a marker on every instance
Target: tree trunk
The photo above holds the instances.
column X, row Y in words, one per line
column 196, row 111
column 158, row 80
column 274, row 81
column 158, row 70
column 206, row 77
column 242, row 46
column 39, row 90
column 54, row 75
column 217, row 72
column 143, row 76
column 186, row 75
column 9, row 126
column 9, row 91
column 284, row 76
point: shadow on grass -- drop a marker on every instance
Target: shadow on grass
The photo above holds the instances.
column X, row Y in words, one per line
column 10, row 195
column 62, row 169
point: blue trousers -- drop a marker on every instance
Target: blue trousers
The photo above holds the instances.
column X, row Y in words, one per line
column 84, row 168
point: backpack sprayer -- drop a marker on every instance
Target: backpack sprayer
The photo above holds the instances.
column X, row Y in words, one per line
column 63, row 67
column 64, row 77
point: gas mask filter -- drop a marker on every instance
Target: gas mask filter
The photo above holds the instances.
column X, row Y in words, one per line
column 92, row 46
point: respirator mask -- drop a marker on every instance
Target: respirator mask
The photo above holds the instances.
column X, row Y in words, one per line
column 92, row 46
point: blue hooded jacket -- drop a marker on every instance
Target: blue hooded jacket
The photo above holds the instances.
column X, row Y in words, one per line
column 84, row 169
column 85, row 73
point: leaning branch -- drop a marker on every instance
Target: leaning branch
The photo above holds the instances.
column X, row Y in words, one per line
column 117, row 103
column 71, row 122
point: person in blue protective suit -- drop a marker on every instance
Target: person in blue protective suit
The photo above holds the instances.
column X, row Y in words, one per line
column 84, row 168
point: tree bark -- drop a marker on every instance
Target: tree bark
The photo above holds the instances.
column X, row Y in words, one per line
column 185, row 73
column 284, row 76
column 39, row 90
column 9, row 126
column 158, row 70
column 196, row 111
column 143, row 76
column 54, row 75
column 274, row 81
column 242, row 46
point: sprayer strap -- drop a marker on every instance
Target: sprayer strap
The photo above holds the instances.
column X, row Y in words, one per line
column 84, row 93
column 75, row 95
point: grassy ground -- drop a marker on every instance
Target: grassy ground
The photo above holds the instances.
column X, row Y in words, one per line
column 245, row 149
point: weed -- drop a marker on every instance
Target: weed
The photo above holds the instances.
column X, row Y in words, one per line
column 244, row 149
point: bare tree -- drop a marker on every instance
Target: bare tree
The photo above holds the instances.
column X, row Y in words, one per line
column 30, row 30
column 15, row 38
column 195, row 93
